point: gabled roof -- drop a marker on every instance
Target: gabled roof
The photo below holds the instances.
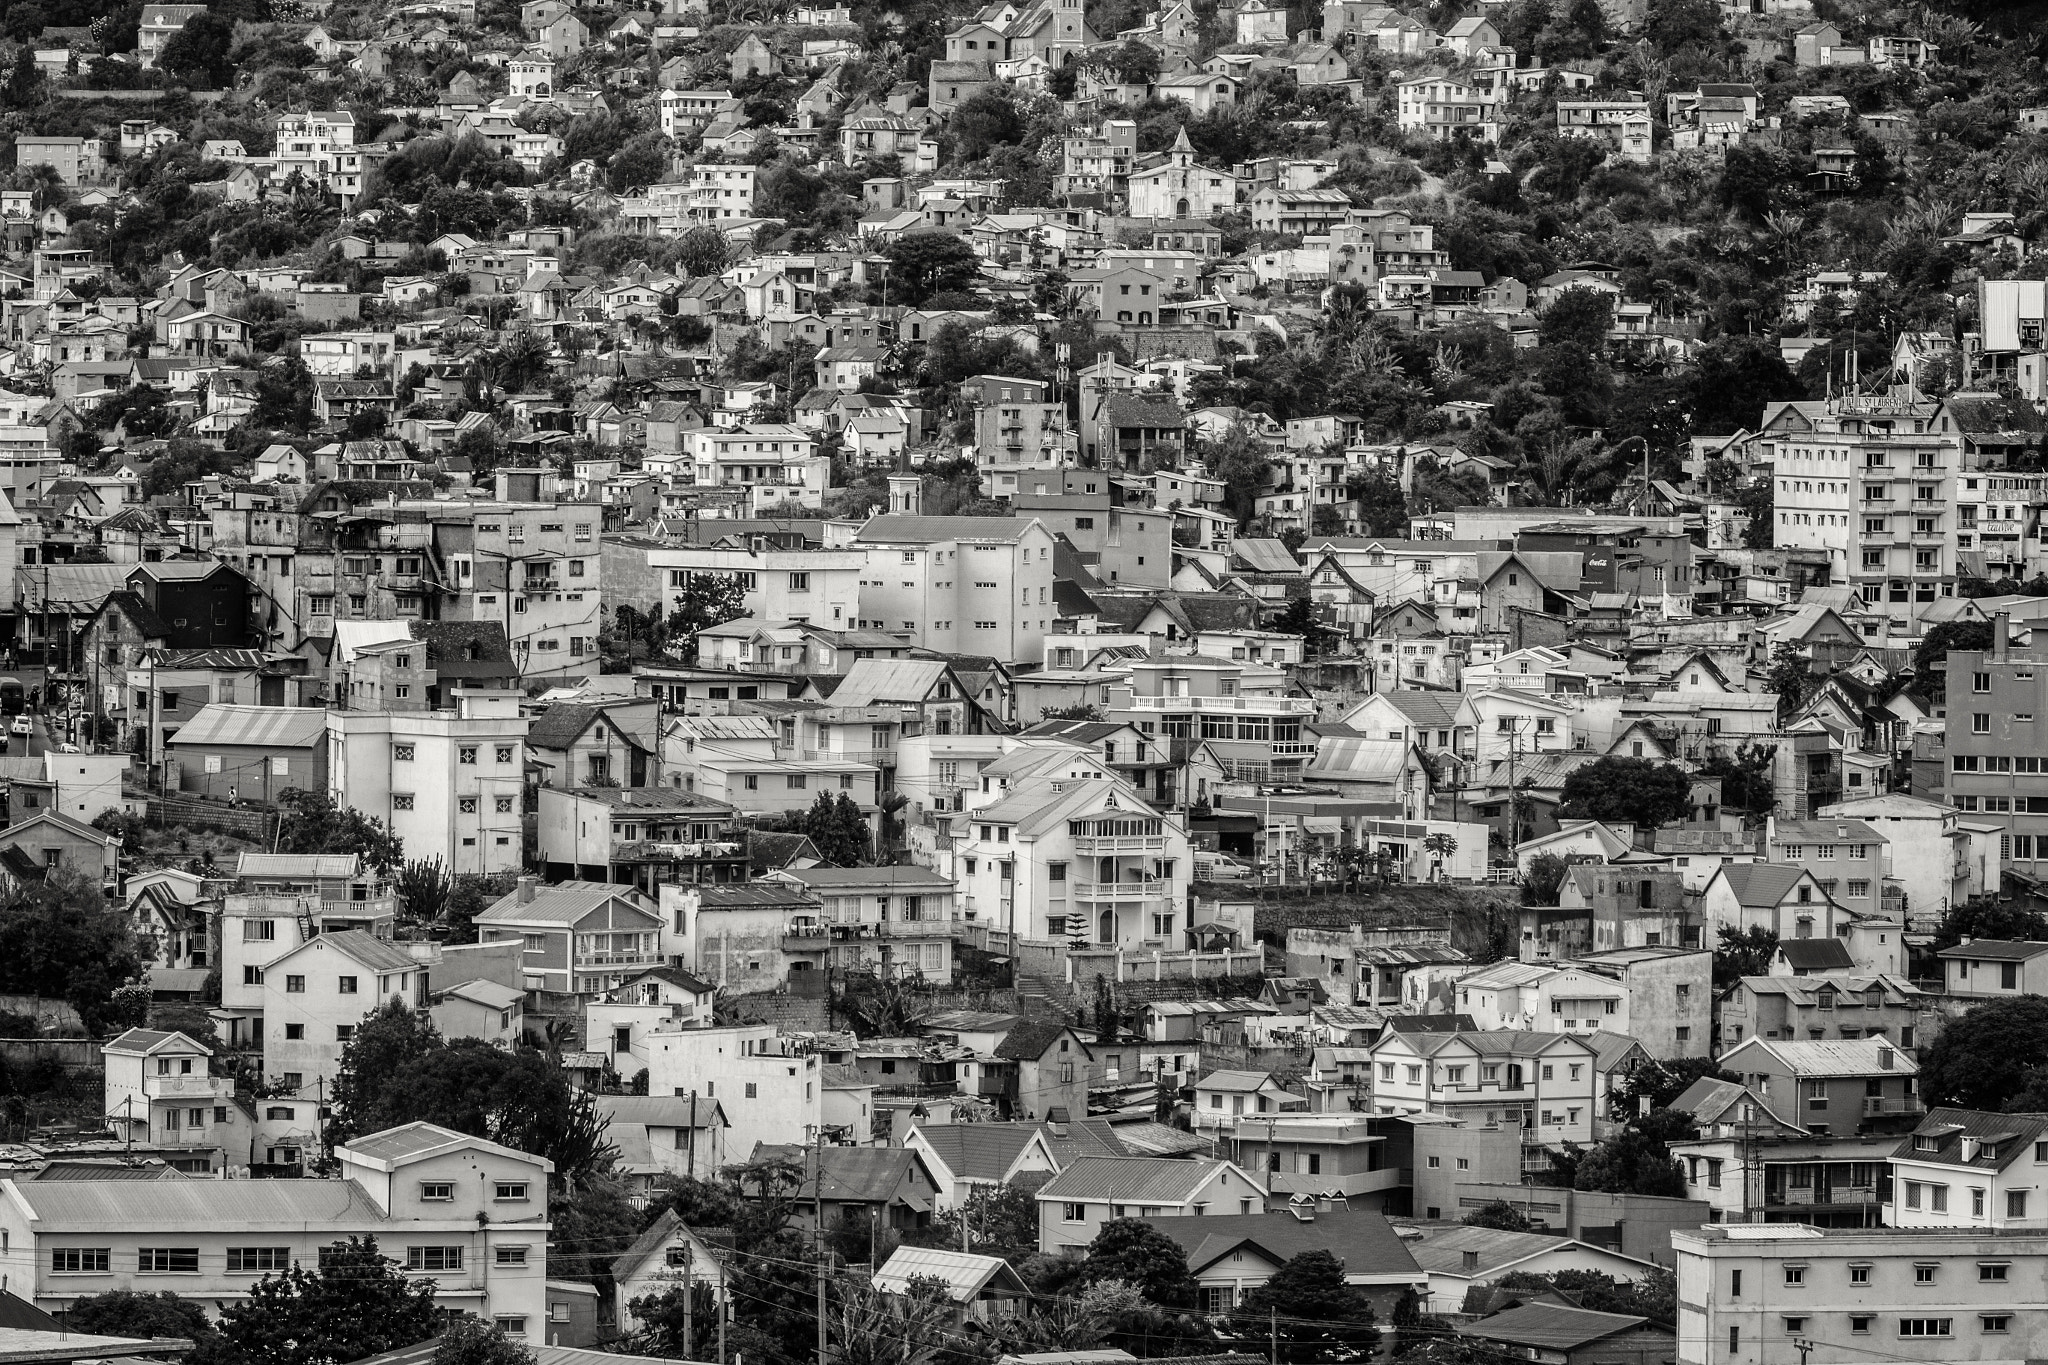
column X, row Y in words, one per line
column 1551, row 1327
column 1821, row 954
column 263, row 727
column 1365, row 1242
column 1995, row 950
column 2009, row 1137
column 1135, row 1179
column 395, row 1147
column 967, row 1277
column 564, row 904
column 1033, row 1038
column 362, row 947
column 1761, row 886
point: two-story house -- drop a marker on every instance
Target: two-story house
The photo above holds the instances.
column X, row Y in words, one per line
column 1865, row 1086
column 1962, row 1168
column 580, row 937
column 160, row 1091
column 1093, row 1190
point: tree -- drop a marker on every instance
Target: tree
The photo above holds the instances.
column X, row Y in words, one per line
column 1660, row 1083
column 1501, row 1216
column 875, row 1328
column 1745, row 777
column 1001, row 1220
column 1743, row 952
column 1309, row 1309
column 131, row 1313
column 25, row 23
column 703, row 251
column 707, row 600
column 357, row 1303
column 198, row 53
column 1934, row 649
column 1544, row 879
column 984, row 122
column 284, row 394
column 472, row 1341
column 1578, row 319
column 1631, row 1162
column 922, row 264
column 423, row 886
column 1140, row 1254
column 838, row 829
column 1637, row 791
column 667, row 1331
column 1790, row 678
column 1987, row 1057
column 1990, row 919
column 310, row 822
column 1381, row 506
column 390, row 1037
column 1683, row 25
column 59, row 940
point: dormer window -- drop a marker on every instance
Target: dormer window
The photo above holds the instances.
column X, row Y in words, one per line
column 1926, row 1142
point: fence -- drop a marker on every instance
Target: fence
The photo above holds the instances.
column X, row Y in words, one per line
column 1059, row 961
column 73, row 1054
column 247, row 821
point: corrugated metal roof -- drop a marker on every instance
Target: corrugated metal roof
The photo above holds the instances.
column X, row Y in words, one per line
column 314, row 865
column 966, row 1275
column 1551, row 1326
column 253, row 727
column 195, row 1205
column 1130, row 1179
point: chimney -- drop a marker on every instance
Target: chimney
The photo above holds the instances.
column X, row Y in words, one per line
column 527, row 886
column 1471, row 1264
column 1884, row 1056
column 2001, row 634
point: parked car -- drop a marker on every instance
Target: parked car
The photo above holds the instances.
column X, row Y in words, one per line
column 1220, row 867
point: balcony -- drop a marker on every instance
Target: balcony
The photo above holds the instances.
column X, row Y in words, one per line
column 1875, row 1106
column 1285, row 748
column 189, row 1087
column 602, row 960
column 1823, row 1196
column 1098, row 845
column 1298, row 706
column 1351, row 1186
column 1119, row 891
column 915, row 928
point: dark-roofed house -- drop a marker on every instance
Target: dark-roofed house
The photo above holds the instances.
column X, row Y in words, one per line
column 1073, row 1205
column 1813, row 957
column 1232, row 1254
column 1864, row 1086
column 1044, row 1069
column 1987, row 1164
column 1559, row 1335
column 1457, row 1256
column 595, row 743
column 201, row 603
column 965, row 1156
column 1135, row 431
column 49, row 838
column 892, row 1185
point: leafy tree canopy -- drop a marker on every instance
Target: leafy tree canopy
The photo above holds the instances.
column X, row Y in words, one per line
column 1140, row 1254
column 1637, row 791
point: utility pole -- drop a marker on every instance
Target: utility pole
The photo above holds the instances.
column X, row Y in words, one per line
column 689, row 1337
column 818, row 1214
column 724, row 1306
column 1273, row 1336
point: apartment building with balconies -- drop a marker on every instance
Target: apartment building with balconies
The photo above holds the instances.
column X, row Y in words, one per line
column 779, row 584
column 466, row 1213
column 1870, row 481
column 639, row 836
column 1749, row 1163
column 1085, row 861
column 1836, row 1088
column 161, row 1093
column 1545, row 1084
column 582, row 938
column 1315, row 1154
column 896, row 922
column 775, row 463
column 1240, row 710
column 967, row 585
column 257, row 930
column 1758, row 1295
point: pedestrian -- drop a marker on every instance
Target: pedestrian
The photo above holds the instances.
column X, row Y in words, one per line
column 234, row 797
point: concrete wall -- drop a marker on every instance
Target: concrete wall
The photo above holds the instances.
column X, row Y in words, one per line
column 1637, row 1225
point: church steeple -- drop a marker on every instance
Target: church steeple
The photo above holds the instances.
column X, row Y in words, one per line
column 1182, row 151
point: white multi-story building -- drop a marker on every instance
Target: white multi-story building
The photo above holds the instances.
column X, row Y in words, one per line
column 467, row 1213
column 256, row 930
column 448, row 783
column 805, row 587
column 1871, row 481
column 1966, row 1169
column 1528, row 995
column 718, row 190
column 777, row 462
column 1544, row 1083
column 771, row 1088
column 968, row 585
column 1442, row 108
column 315, row 995
column 532, row 75
column 161, row 1093
column 343, row 355
column 309, row 142
column 1764, row 1293
column 1076, row 860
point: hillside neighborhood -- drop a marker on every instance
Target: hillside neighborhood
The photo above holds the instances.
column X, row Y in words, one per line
column 766, row 683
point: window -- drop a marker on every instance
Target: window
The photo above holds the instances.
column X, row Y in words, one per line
column 1859, row 1273
column 1794, row 1326
column 511, row 1324
column 1795, row 1275
column 466, row 754
column 255, row 1260
column 504, row 753
column 1924, row 1327
column 294, row 1032
column 1073, row 1213
column 2015, row 1203
column 1923, row 1272
column 1992, row 1272
column 80, row 1260
column 1995, row 1324
column 511, row 1189
column 346, row 985
column 433, row 1258
column 294, row 985
column 752, row 1091
column 401, row 800
column 280, row 1111
column 435, row 1191
column 167, row 1261
column 511, row 1256
column 259, row 931
column 401, row 753
column 1859, row 1323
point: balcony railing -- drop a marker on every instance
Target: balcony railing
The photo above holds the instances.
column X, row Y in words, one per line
column 1283, row 748
column 1304, row 706
column 189, row 1087
column 618, row 960
column 1119, row 891
column 1096, row 845
column 1875, row 1106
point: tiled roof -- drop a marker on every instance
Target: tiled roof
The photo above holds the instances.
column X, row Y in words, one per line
column 1365, row 1242
column 1129, row 1179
